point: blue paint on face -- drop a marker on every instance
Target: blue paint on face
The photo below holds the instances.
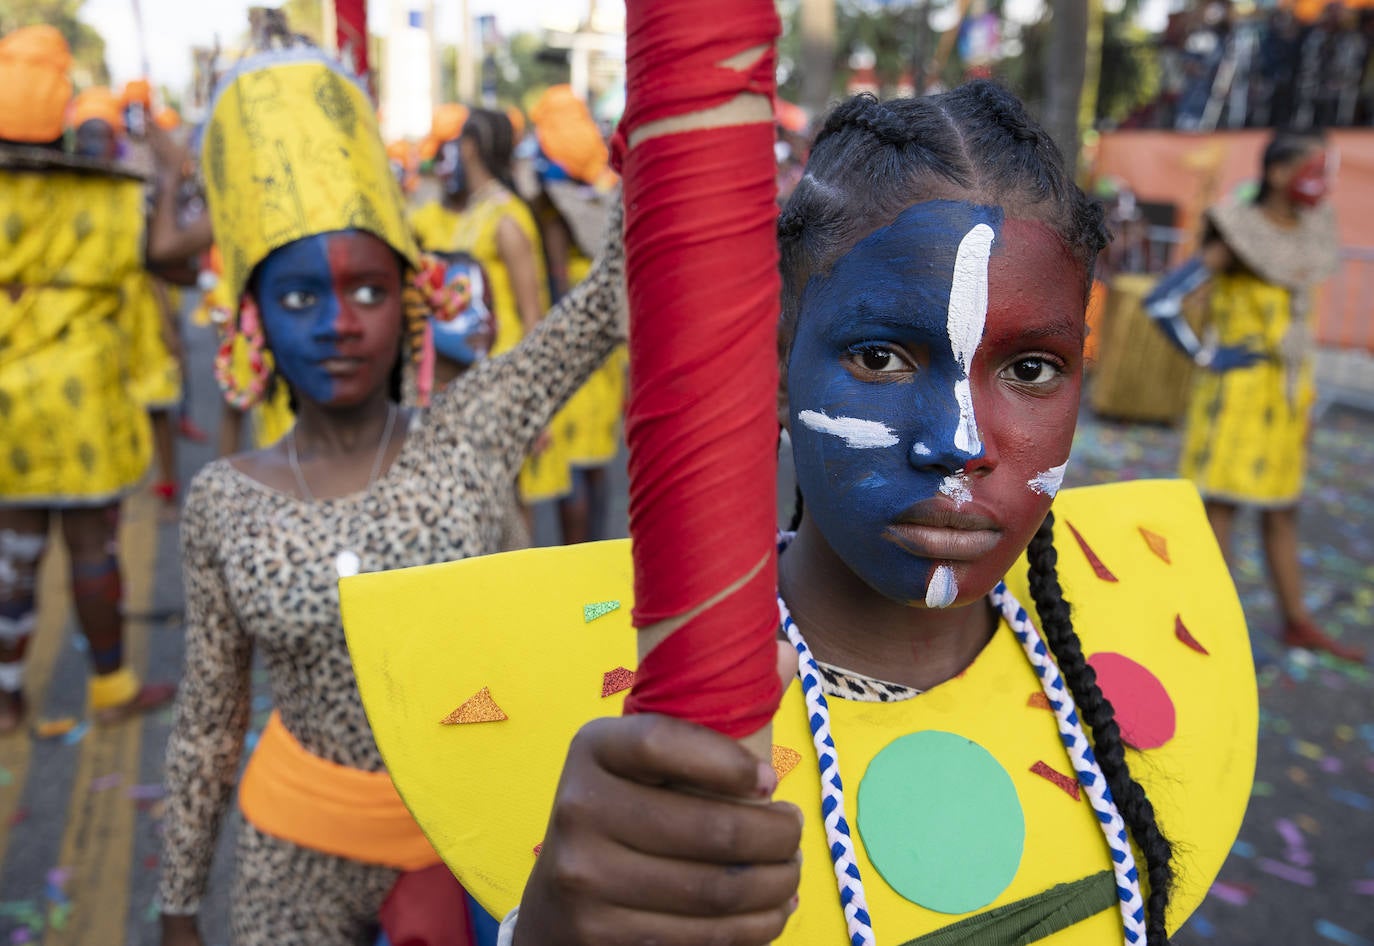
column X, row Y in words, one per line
column 884, row 305
column 300, row 313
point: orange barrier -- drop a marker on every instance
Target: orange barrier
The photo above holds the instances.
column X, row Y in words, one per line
column 1179, row 168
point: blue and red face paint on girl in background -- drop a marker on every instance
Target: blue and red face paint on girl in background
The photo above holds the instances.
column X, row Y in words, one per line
column 933, row 391
column 331, row 308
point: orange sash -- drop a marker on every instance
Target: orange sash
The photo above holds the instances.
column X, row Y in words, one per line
column 291, row 794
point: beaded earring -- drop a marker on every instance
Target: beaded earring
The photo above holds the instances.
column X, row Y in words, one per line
column 242, row 397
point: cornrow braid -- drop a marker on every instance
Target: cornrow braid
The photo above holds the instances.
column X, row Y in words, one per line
column 1057, row 626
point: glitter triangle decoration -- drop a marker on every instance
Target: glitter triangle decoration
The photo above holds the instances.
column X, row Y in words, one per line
column 1065, row 782
column 598, row 609
column 479, row 708
column 1157, row 543
column 785, row 760
column 1182, row 633
column 616, row 681
column 1099, row 568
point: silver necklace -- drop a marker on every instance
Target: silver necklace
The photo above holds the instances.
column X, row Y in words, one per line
column 348, row 562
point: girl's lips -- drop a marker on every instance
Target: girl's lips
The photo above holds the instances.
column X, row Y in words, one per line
column 942, row 542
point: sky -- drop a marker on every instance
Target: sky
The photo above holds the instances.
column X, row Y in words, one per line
column 172, row 27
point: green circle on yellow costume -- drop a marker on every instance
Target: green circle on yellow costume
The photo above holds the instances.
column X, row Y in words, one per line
column 941, row 821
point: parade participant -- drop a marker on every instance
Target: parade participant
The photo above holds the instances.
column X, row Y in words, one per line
column 436, row 222
column 76, row 438
column 150, row 311
column 322, row 268
column 573, row 169
column 977, row 774
column 1249, row 417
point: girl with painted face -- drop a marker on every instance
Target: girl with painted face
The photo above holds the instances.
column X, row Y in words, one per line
column 1249, row 416
column 953, row 765
column 322, row 269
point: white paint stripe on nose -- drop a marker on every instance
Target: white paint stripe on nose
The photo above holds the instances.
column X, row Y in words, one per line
column 968, row 313
column 854, row 431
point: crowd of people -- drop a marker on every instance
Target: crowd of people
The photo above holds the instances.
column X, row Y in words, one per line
column 1264, row 69
column 404, row 378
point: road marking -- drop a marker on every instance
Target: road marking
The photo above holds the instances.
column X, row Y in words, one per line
column 54, row 609
column 98, row 842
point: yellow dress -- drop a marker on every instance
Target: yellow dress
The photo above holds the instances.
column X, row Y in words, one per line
column 588, row 426
column 1247, row 430
column 512, row 681
column 157, row 374
column 548, row 475
column 1246, row 439
column 74, row 432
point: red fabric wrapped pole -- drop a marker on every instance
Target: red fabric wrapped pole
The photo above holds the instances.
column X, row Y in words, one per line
column 350, row 17
column 701, row 424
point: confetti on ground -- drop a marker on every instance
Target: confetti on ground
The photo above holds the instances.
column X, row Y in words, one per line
column 106, row 782
column 54, row 728
column 1283, row 871
column 1365, row 887
column 146, row 792
column 1354, row 799
column 1339, row 934
column 1234, row 894
column 76, row 734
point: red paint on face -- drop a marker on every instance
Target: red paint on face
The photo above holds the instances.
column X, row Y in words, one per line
column 1035, row 328
column 367, row 284
column 1309, row 184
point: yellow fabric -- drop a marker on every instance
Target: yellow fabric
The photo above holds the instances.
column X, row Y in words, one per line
column 98, row 103
column 157, row 374
column 435, row 227
column 588, row 426
column 110, row 690
column 482, row 792
column 291, row 794
column 73, row 431
column 292, row 150
column 1246, row 439
column 34, row 87
column 547, row 476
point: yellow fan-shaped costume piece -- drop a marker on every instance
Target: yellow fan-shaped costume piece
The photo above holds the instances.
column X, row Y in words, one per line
column 74, row 431
column 474, row 688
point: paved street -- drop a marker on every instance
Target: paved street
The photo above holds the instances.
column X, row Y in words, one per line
column 79, row 814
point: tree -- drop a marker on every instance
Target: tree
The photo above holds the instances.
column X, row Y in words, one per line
column 1065, row 68
column 88, row 46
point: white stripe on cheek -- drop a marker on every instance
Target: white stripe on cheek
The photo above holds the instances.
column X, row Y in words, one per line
column 854, row 431
column 1048, row 482
column 943, row 589
column 968, row 313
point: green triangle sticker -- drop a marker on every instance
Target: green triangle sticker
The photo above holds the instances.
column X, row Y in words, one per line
column 599, row 609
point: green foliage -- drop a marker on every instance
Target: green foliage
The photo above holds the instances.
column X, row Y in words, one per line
column 1130, row 69
column 88, row 46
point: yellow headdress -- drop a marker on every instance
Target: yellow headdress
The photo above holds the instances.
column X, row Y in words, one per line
column 292, row 150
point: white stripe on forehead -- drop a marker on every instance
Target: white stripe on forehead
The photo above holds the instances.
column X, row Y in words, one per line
column 968, row 313
column 854, row 431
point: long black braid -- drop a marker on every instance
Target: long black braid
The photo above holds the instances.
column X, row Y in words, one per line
column 1096, row 711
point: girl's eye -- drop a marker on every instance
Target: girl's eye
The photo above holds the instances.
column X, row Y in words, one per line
column 368, row 295
column 297, row 299
column 1032, row 371
column 877, row 359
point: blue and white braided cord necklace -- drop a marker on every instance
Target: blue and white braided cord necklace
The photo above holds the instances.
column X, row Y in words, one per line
column 1084, row 762
column 837, row 834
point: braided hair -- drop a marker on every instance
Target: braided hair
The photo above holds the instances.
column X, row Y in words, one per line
column 872, row 160
column 1097, row 711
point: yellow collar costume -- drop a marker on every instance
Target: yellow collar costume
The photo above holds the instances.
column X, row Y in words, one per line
column 968, row 822
column 292, row 150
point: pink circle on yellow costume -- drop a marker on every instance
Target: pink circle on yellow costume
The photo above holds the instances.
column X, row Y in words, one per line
column 1144, row 710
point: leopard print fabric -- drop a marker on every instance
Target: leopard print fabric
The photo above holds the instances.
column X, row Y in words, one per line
column 260, row 575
